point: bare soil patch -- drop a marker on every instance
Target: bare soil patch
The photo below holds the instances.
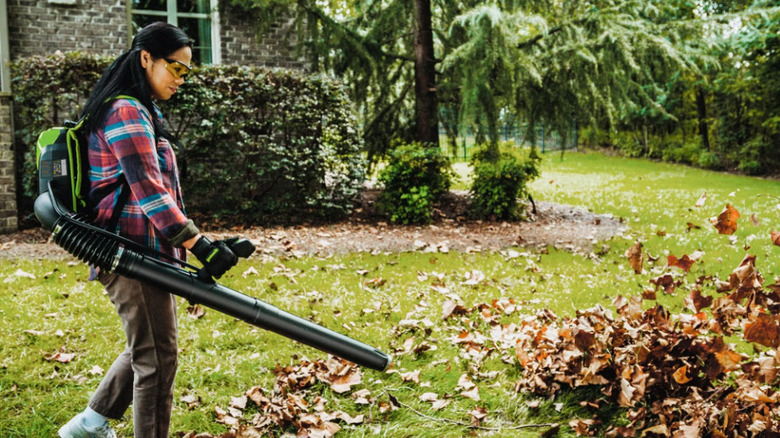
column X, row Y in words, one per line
column 562, row 226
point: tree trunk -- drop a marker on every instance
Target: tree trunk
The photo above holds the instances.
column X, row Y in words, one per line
column 701, row 110
column 425, row 75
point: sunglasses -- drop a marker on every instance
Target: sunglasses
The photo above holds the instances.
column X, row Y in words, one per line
column 178, row 69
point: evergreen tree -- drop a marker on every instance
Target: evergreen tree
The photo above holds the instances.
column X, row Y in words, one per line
column 412, row 64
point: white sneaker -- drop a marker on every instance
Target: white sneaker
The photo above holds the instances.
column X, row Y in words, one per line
column 75, row 428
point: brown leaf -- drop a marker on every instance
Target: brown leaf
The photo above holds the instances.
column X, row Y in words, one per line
column 429, row 397
column 581, row 426
column 635, row 257
column 775, row 237
column 648, row 294
column 726, row 222
column 763, row 330
column 729, row 359
column 699, row 301
column 684, row 263
column 195, row 312
column 681, row 375
column 667, row 282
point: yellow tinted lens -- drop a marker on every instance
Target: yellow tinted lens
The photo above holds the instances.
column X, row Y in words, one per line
column 177, row 69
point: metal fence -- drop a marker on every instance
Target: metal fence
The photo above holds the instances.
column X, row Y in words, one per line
column 546, row 140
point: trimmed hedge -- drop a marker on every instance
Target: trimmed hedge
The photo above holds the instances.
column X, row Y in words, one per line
column 258, row 145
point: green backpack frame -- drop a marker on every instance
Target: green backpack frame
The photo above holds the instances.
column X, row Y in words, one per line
column 63, row 167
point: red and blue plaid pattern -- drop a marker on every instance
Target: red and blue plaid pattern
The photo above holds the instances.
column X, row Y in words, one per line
column 125, row 144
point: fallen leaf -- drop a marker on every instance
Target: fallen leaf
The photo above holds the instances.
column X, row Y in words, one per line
column 681, row 375
column 763, row 330
column 60, row 356
column 699, row 301
column 472, row 394
column 684, row 263
column 701, row 200
column 411, row 376
column 238, row 402
column 191, row 400
column 195, row 312
column 375, row 282
column 775, row 237
column 477, row 415
column 464, row 382
column 726, row 222
column 440, row 404
column 429, row 396
column 635, row 257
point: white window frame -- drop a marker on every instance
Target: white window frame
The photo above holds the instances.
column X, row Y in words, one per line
column 172, row 16
column 5, row 50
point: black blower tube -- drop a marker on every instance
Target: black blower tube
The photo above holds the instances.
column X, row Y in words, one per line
column 98, row 247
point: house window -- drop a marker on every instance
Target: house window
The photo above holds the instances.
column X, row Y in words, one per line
column 197, row 18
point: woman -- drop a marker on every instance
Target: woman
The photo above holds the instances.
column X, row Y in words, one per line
column 134, row 186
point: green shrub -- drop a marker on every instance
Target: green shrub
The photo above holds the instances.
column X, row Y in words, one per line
column 499, row 183
column 687, row 153
column 710, row 160
column 257, row 145
column 268, row 144
column 413, row 182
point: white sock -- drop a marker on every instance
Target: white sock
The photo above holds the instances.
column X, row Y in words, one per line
column 92, row 419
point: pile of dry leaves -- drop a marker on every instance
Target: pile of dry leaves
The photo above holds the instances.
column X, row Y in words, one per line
column 675, row 374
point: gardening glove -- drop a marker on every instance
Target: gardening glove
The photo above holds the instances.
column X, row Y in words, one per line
column 217, row 257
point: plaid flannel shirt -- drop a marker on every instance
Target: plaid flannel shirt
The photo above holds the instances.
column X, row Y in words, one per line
column 125, row 144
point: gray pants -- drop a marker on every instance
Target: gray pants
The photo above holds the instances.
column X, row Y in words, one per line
column 144, row 373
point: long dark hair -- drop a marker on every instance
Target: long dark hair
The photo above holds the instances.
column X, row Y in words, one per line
column 125, row 76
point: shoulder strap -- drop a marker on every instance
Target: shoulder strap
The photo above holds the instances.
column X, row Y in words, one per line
column 75, row 160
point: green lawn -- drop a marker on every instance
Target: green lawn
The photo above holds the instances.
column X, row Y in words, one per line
column 47, row 306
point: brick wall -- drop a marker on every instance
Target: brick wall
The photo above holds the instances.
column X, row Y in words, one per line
column 275, row 49
column 41, row 27
column 8, row 220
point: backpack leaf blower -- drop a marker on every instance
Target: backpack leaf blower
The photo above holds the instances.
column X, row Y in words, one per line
column 113, row 253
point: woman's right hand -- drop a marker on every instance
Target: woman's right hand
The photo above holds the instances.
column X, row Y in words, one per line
column 216, row 257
